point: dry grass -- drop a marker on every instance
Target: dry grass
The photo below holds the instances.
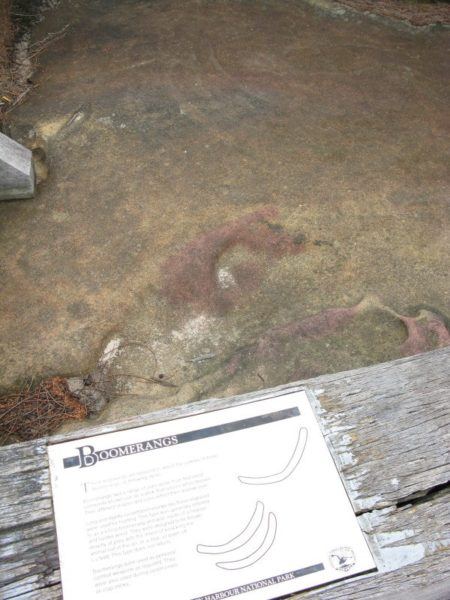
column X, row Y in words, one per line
column 13, row 78
column 37, row 410
column 6, row 38
column 18, row 59
column 6, row 32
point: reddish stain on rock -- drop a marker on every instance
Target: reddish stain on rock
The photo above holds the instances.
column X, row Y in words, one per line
column 313, row 327
column 269, row 345
column 233, row 364
column 247, row 275
column 190, row 276
column 425, row 332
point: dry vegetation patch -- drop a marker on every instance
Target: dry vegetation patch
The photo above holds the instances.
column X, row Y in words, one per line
column 36, row 410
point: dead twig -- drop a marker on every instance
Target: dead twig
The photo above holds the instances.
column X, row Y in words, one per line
column 40, row 45
column 151, row 380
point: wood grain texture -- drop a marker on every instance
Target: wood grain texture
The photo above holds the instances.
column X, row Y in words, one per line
column 388, row 428
column 412, row 551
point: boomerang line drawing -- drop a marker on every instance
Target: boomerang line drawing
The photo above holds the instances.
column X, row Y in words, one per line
column 288, row 469
column 265, row 546
column 241, row 539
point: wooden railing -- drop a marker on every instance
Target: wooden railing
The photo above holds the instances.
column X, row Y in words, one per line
column 388, row 426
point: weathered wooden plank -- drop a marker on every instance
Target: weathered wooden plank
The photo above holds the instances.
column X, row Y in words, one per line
column 412, row 549
column 388, row 426
column 413, row 554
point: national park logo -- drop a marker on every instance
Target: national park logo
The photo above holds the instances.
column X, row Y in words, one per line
column 342, row 559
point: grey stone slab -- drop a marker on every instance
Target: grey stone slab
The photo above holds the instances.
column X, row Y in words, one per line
column 16, row 170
